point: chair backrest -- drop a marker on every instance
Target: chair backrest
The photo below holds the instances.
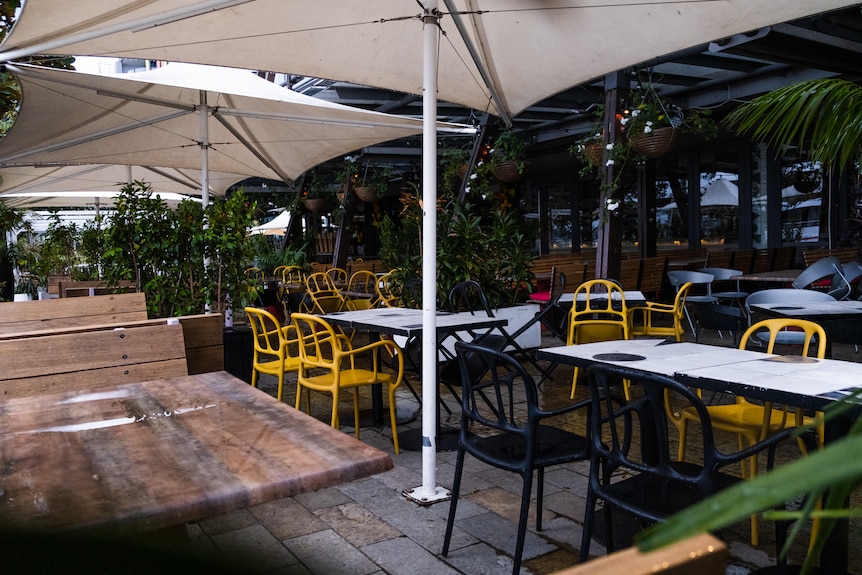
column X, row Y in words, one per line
column 410, row 294
column 814, row 333
column 268, row 336
column 319, row 282
column 321, row 345
column 721, row 274
column 385, row 295
column 598, row 313
column 468, row 296
column 338, row 275
column 678, row 278
column 616, row 424
column 819, row 270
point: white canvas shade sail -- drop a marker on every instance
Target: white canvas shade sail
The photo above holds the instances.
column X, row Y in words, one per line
column 98, row 184
column 274, row 227
column 496, row 55
column 153, row 118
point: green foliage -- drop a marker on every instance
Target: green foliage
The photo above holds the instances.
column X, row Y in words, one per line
column 493, row 248
column 510, row 147
column 822, row 116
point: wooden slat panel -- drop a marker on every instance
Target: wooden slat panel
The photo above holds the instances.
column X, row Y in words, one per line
column 205, row 359
column 93, row 378
column 57, row 313
column 67, row 353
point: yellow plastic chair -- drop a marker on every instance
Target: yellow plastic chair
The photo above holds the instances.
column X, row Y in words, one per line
column 273, row 344
column 339, row 276
column 654, row 310
column 362, row 282
column 601, row 316
column 753, row 422
column 329, row 364
column 322, row 295
column 385, row 296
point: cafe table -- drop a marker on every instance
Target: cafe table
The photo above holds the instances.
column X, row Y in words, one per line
column 841, row 320
column 407, row 323
column 804, row 382
column 154, row 455
column 773, row 276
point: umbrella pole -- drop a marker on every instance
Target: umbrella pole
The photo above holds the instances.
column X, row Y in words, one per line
column 205, row 184
column 429, row 492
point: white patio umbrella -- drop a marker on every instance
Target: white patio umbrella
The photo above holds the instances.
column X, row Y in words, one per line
column 498, row 56
column 186, row 117
column 274, row 227
column 78, row 185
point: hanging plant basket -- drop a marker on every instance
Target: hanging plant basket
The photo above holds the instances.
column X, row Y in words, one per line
column 367, row 194
column 594, row 153
column 506, row 171
column 315, row 205
column 656, row 143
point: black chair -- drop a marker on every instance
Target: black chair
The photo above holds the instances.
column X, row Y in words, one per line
column 719, row 317
column 516, row 442
column 654, row 484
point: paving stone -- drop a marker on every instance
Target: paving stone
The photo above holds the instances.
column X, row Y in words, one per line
column 253, row 549
column 405, row 557
column 227, row 522
column 422, row 526
column 326, row 552
column 357, row 525
column 482, row 559
column 502, row 534
column 377, row 497
column 286, row 518
column 329, row 497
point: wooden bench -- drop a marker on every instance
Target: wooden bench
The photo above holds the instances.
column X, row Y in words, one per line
column 67, row 361
column 93, row 288
column 844, row 254
column 203, row 334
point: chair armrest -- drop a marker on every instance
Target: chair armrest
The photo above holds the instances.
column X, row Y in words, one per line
column 563, row 410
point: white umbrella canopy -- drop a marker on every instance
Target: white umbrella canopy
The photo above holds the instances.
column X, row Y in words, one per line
column 274, row 227
column 720, row 192
column 77, row 185
column 500, row 55
column 153, row 118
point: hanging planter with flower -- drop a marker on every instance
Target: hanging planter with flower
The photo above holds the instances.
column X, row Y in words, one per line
column 507, row 157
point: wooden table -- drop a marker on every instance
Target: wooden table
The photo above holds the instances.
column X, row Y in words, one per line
column 145, row 456
column 774, row 276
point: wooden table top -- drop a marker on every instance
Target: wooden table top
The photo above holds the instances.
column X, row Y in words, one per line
column 144, row 456
column 778, row 276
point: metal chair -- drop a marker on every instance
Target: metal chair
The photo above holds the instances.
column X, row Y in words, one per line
column 503, row 437
column 819, row 275
column 788, row 296
column 721, row 276
column 720, row 318
column 647, row 482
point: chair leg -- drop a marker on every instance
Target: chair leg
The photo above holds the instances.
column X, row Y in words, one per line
column 587, row 533
column 574, row 383
column 540, row 492
column 453, row 502
column 522, row 520
column 392, row 412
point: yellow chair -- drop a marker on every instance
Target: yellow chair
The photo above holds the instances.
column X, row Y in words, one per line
column 362, row 282
column 754, row 422
column 385, row 296
column 329, row 364
column 339, row 276
column 652, row 310
column 322, row 295
column 272, row 346
column 598, row 313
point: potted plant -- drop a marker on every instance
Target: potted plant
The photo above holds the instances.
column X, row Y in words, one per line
column 507, row 156
column 318, row 193
column 347, row 178
column 375, row 183
column 653, row 126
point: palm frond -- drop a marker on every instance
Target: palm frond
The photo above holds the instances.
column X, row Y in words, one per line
column 821, row 116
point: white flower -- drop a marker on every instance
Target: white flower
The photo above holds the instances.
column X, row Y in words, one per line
column 609, row 163
column 635, row 113
column 647, row 127
column 466, row 189
column 479, row 163
column 624, row 121
column 473, row 176
column 609, row 146
column 491, row 151
column 613, row 205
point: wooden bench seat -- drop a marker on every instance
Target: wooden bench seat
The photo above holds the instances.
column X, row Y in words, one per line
column 203, row 334
column 67, row 361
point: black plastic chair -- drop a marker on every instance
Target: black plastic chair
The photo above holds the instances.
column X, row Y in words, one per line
column 516, row 442
column 651, row 485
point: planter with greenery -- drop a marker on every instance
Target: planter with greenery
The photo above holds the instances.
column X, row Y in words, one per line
column 507, row 156
column 319, row 192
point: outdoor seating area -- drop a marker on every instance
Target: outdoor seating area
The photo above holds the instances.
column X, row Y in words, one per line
column 433, row 287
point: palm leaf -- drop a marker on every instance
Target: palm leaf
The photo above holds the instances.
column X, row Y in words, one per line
column 821, row 116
